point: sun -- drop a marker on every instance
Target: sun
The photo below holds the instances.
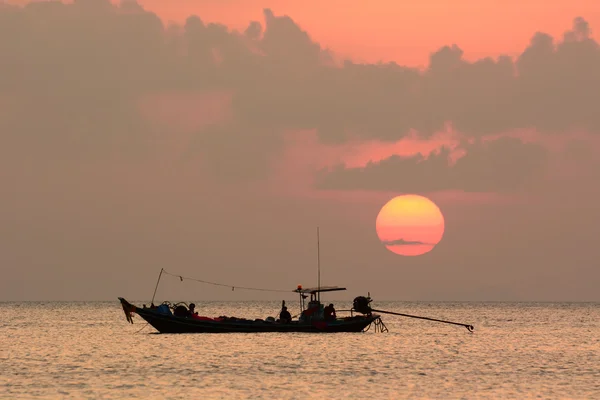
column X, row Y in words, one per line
column 410, row 225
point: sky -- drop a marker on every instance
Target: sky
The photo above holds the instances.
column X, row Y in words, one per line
column 211, row 138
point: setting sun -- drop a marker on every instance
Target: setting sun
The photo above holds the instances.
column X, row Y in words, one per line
column 410, row 225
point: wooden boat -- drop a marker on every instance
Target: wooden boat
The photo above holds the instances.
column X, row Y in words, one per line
column 168, row 318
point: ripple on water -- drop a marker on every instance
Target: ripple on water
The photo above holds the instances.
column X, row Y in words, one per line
column 64, row 350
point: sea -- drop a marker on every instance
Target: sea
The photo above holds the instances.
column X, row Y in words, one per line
column 87, row 350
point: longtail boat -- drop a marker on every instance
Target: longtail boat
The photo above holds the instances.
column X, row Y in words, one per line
column 181, row 318
column 176, row 318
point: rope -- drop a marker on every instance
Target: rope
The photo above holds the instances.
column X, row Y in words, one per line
column 138, row 331
column 379, row 326
column 233, row 287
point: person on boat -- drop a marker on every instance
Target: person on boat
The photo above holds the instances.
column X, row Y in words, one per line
column 193, row 310
column 285, row 316
column 329, row 312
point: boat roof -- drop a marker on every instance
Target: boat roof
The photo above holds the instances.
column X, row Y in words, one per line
column 321, row 289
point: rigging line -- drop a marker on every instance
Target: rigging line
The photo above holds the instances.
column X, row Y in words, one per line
column 224, row 285
column 141, row 328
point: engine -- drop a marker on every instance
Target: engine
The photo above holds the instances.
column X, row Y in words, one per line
column 361, row 305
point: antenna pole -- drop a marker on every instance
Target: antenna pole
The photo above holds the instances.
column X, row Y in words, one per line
column 318, row 266
column 156, row 288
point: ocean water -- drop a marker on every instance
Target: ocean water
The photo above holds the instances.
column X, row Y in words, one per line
column 86, row 350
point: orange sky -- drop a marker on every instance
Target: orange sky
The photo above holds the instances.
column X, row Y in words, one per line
column 398, row 30
column 402, row 31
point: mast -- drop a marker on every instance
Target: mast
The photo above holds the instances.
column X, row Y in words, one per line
column 318, row 267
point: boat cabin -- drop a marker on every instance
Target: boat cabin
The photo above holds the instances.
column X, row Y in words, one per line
column 314, row 310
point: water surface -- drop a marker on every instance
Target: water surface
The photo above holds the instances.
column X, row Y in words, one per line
column 518, row 351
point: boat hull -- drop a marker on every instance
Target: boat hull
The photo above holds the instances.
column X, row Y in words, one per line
column 165, row 323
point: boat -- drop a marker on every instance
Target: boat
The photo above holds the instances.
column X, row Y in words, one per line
column 181, row 318
column 175, row 318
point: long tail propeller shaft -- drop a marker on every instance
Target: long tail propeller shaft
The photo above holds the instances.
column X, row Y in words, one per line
column 470, row 328
column 362, row 305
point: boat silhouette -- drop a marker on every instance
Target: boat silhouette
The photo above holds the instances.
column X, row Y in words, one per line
column 180, row 317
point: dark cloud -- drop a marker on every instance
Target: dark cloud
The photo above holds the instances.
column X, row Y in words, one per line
column 402, row 242
column 505, row 164
column 75, row 71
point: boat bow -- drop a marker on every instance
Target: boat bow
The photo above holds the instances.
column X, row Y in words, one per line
column 128, row 309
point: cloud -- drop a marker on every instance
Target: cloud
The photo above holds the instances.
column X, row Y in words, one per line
column 550, row 88
column 504, row 164
column 75, row 75
column 402, row 242
column 254, row 146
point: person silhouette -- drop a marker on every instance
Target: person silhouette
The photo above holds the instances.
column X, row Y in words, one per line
column 329, row 312
column 285, row 316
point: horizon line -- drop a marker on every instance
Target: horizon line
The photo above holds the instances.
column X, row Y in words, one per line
column 340, row 300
